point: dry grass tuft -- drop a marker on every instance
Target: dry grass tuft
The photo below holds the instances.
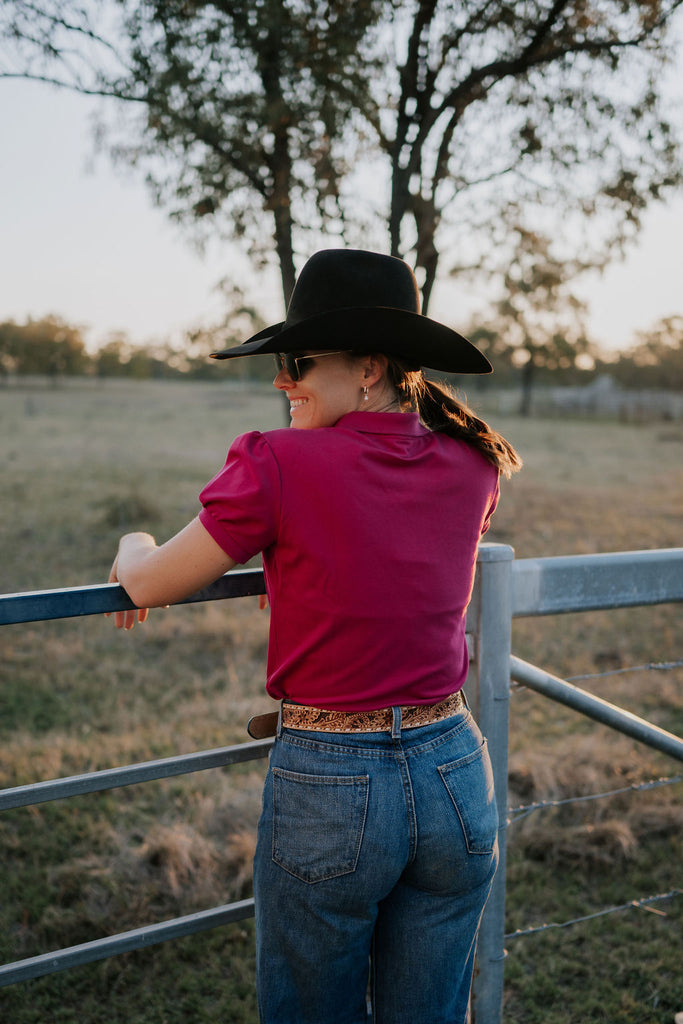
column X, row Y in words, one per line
column 661, row 818
column 581, row 765
column 603, row 844
column 183, row 858
column 173, row 868
column 241, row 847
column 598, row 832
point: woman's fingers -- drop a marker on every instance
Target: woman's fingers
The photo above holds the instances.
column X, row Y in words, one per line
column 127, row 619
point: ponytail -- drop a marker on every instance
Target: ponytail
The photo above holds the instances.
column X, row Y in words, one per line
column 441, row 410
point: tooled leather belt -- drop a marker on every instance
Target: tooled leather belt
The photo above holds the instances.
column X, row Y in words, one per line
column 300, row 716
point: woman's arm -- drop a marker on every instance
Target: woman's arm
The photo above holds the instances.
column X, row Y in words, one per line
column 156, row 576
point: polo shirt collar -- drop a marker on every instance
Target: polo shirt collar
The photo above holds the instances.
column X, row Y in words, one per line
column 404, row 423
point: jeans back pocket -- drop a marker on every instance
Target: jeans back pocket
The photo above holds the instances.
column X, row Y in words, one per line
column 318, row 823
column 469, row 782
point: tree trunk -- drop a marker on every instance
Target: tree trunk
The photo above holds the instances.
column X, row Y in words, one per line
column 399, row 204
column 430, row 277
column 527, row 388
column 284, row 249
column 280, row 204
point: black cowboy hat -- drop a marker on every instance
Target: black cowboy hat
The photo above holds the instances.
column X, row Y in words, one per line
column 359, row 301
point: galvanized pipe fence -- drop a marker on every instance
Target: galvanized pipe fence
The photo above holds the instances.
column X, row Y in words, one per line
column 505, row 588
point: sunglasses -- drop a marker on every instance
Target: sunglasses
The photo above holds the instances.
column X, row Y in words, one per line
column 289, row 362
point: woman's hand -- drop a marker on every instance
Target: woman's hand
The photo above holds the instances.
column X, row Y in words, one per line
column 155, row 577
column 127, row 619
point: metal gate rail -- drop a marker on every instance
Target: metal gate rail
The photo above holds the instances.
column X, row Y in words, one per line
column 505, row 588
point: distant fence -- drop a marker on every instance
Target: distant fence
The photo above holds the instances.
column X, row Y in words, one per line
column 505, row 588
column 601, row 399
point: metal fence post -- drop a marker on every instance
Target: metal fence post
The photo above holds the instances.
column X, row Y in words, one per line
column 488, row 692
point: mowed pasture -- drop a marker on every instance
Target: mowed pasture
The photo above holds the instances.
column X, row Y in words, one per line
column 84, row 461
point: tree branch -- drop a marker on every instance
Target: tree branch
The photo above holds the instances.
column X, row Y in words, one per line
column 76, row 87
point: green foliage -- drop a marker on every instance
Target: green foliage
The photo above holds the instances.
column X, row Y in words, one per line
column 551, row 111
column 48, row 346
column 542, row 322
column 248, row 105
column 656, row 359
column 51, row 347
column 526, row 323
column 265, row 119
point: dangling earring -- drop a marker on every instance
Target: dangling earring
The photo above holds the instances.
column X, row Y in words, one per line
column 366, row 393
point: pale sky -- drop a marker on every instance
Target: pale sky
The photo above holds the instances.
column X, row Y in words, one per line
column 82, row 240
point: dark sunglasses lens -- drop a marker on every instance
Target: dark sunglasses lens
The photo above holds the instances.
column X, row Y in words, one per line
column 287, row 361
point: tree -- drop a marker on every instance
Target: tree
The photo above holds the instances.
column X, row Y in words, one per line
column 47, row 346
column 239, row 322
column 112, row 355
column 242, row 106
column 476, row 115
column 489, row 336
column 656, row 358
column 538, row 316
column 117, row 356
column 553, row 106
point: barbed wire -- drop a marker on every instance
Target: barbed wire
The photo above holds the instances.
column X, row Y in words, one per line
column 516, row 814
column 652, row 666
column 641, row 904
column 526, row 809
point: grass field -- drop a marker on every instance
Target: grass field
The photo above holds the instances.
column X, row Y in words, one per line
column 86, row 461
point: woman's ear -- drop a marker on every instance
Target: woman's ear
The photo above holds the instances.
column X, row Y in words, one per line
column 374, row 368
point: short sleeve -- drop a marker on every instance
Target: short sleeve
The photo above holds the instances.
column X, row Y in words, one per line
column 241, row 505
column 492, row 507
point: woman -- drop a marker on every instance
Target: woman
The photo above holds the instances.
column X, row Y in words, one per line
column 377, row 839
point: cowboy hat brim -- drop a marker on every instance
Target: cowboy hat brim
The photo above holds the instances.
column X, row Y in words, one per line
column 411, row 337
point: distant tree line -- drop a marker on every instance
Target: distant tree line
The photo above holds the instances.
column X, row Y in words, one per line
column 654, row 360
column 48, row 346
column 53, row 348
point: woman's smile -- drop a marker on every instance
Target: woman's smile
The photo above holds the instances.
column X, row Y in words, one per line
column 330, row 389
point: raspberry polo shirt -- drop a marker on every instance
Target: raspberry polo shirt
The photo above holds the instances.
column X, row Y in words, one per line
column 369, row 533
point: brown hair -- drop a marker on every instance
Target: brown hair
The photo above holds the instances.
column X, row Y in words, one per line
column 440, row 409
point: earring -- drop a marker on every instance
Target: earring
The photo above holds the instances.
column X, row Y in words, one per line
column 366, row 393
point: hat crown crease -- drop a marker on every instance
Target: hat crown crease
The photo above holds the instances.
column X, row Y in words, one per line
column 351, row 278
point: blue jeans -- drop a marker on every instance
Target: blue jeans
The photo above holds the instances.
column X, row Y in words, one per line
column 373, row 849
